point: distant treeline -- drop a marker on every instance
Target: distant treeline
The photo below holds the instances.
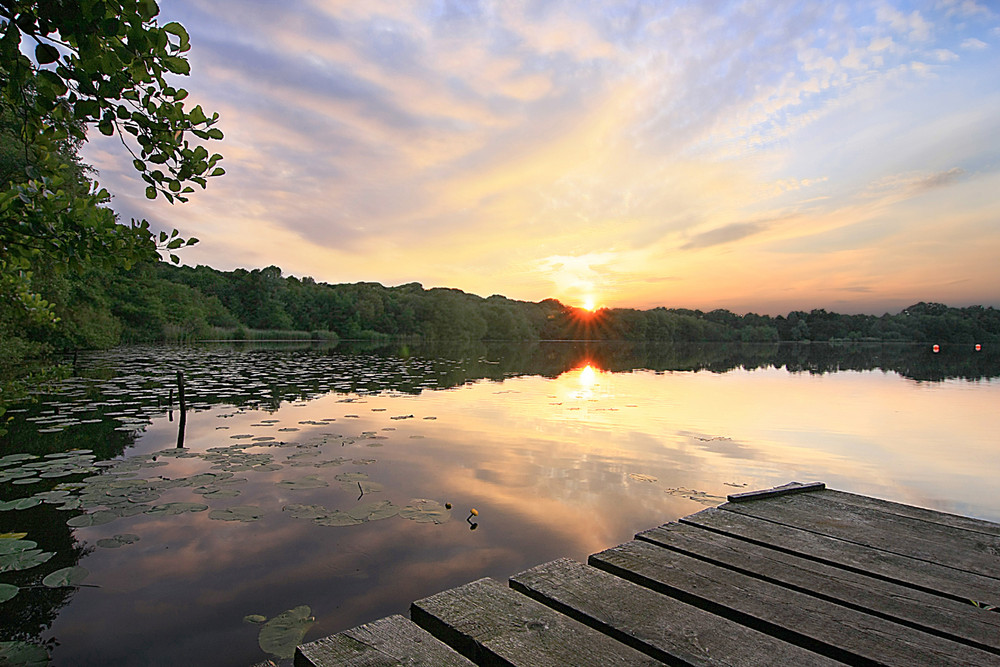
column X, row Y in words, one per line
column 156, row 301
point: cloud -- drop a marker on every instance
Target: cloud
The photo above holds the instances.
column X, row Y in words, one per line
column 964, row 8
column 467, row 144
column 912, row 26
column 973, row 44
column 727, row 234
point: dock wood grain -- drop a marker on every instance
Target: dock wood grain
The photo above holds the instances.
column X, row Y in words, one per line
column 798, row 574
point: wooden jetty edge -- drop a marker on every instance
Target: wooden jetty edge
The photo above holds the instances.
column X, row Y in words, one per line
column 799, row 574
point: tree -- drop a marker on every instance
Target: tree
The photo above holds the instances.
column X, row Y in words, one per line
column 94, row 63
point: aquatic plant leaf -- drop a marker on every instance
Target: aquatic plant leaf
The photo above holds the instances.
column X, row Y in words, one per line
column 639, row 477
column 336, row 518
column 307, row 482
column 176, row 508
column 351, row 477
column 422, row 510
column 15, row 458
column 284, row 632
column 382, row 509
column 118, row 541
column 20, row 503
column 13, row 545
column 242, row 513
column 7, row 591
column 254, row 618
column 96, row 519
column 23, row 654
column 306, row 511
column 67, row 576
column 24, row 560
column 13, row 536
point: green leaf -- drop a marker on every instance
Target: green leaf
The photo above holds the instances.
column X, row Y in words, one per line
column 24, row 560
column 67, row 576
column 46, row 53
column 7, row 591
column 242, row 513
column 177, row 29
column 52, row 81
column 177, row 65
column 284, row 632
column 254, row 618
column 23, row 654
column 106, row 127
column 150, row 192
column 425, row 511
column 148, row 9
column 15, row 545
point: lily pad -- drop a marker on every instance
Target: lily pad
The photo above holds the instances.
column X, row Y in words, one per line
column 23, row 560
column 96, row 519
column 12, row 536
column 254, row 618
column 23, row 654
column 176, row 508
column 67, row 576
column 306, row 511
column 422, row 510
column 7, row 591
column 118, row 541
column 351, row 477
column 307, row 482
column 284, row 632
column 336, row 518
column 382, row 509
column 16, row 544
column 20, row 503
column 242, row 513
column 639, row 477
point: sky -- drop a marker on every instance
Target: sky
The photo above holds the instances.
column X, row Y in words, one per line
column 755, row 156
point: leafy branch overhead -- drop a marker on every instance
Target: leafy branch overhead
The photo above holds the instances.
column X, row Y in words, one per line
column 67, row 68
column 106, row 64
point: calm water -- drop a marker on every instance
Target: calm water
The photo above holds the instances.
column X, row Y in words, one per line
column 320, row 477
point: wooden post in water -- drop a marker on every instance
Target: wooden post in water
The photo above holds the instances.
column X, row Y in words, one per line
column 183, row 420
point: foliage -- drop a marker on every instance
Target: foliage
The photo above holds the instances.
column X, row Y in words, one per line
column 155, row 301
column 67, row 67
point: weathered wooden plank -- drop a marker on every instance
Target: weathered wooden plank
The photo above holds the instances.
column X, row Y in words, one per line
column 960, row 621
column 835, row 631
column 951, row 547
column 783, row 490
column 393, row 641
column 930, row 577
column 659, row 626
column 493, row 625
column 933, row 516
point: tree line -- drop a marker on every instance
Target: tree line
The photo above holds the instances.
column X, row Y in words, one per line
column 155, row 301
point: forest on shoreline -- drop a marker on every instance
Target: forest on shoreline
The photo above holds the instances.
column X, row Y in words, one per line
column 156, row 301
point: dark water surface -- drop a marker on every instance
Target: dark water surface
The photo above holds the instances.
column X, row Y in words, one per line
column 321, row 477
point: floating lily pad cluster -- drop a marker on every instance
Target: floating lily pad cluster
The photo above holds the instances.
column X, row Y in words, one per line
column 136, row 385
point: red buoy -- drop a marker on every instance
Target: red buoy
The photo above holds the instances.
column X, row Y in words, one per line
column 936, row 348
column 979, row 347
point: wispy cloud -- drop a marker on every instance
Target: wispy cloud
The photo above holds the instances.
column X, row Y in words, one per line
column 727, row 234
column 471, row 144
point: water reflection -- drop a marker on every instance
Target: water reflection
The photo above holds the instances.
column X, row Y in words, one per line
column 563, row 450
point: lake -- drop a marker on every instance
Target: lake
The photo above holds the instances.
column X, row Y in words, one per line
column 317, row 488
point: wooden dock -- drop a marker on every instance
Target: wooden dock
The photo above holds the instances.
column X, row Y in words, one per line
column 798, row 575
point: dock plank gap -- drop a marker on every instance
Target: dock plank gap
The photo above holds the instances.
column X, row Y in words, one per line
column 794, row 575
